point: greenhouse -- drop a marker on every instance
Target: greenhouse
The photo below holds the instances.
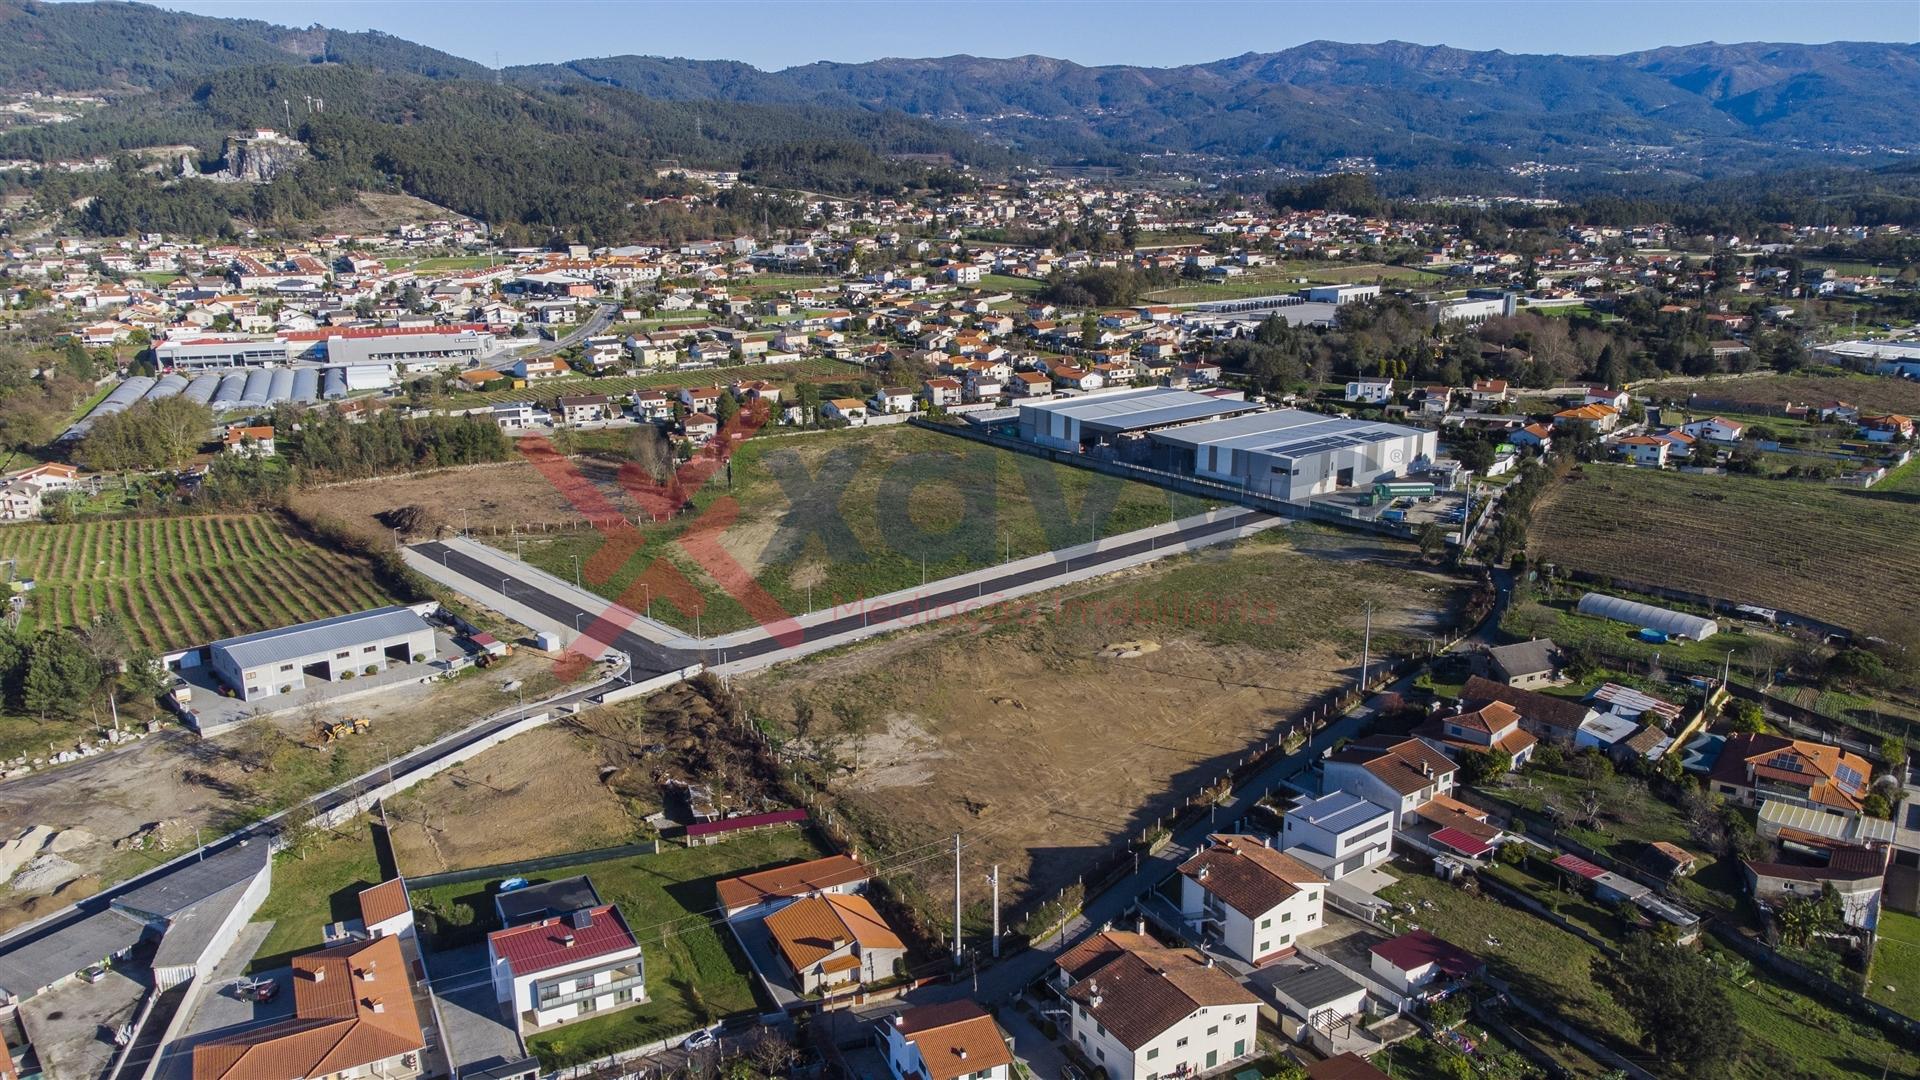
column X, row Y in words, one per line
column 1666, row 620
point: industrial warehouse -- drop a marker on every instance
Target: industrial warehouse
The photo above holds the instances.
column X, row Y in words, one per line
column 275, row 662
column 1288, row 454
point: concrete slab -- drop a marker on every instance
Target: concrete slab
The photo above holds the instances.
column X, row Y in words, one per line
column 476, row 1033
column 757, row 943
column 73, row 1026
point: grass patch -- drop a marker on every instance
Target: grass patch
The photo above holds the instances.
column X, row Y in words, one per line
column 914, row 506
column 319, row 885
column 1019, row 286
column 811, row 370
column 1895, row 979
column 1830, row 553
column 693, row 974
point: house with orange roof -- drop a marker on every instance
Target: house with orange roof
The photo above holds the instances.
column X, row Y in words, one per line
column 1493, row 726
column 1140, row 1010
column 1753, row 769
column 955, row 1040
column 353, row 1015
column 834, row 940
column 765, row 889
column 1249, row 899
column 1646, row 450
column 1598, row 419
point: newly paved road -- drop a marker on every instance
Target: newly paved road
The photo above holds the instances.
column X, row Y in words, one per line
column 651, row 658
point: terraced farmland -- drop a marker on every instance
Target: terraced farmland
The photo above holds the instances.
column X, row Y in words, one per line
column 184, row 581
column 1841, row 555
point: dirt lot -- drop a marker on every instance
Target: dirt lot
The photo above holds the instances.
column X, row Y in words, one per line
column 140, row 806
column 1047, row 754
column 551, row 775
column 511, row 492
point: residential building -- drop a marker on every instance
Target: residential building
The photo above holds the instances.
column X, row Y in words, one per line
column 1857, row 876
column 1597, row 419
column 249, row 441
column 1538, row 436
column 1370, row 391
column 1416, row 960
column 1485, row 393
column 513, row 415
column 1493, row 726
column 353, row 1016
column 1248, row 899
column 851, row 410
column 386, row 910
column 1142, row 1011
column 1526, row 664
column 1716, row 429
column 1753, row 769
column 956, row 1040
column 1337, row 833
column 555, row 970
column 892, row 399
column 1554, row 719
column 834, row 940
column 763, row 890
column 1649, row 451
column 1399, row 773
column 586, row 408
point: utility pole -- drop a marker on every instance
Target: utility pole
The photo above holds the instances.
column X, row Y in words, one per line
column 956, row 899
column 1366, row 650
column 995, row 879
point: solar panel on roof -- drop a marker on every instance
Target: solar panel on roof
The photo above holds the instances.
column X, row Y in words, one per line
column 1788, row 762
column 1849, row 779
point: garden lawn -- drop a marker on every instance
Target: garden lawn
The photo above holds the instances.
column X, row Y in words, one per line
column 1895, row 981
column 694, row 975
column 314, row 885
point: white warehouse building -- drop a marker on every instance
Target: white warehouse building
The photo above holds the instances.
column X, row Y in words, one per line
column 1292, row 454
column 275, row 662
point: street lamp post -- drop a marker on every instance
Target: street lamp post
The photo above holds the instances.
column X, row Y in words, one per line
column 576, row 571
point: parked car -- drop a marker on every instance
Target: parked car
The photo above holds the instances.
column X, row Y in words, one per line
column 699, row 1040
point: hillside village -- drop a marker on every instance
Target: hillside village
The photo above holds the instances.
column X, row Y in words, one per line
column 1579, row 818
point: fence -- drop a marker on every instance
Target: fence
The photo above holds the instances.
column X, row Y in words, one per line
column 1897, row 1023
column 534, row 866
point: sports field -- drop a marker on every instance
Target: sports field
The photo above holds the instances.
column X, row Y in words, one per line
column 184, row 581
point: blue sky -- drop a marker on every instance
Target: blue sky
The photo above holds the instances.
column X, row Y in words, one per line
column 781, row 34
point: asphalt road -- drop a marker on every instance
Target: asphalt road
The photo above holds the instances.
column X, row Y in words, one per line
column 651, row 658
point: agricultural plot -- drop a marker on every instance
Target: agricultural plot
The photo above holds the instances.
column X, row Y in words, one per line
column 1288, row 277
column 1830, row 553
column 184, row 581
column 833, row 517
column 1768, row 394
column 810, row 370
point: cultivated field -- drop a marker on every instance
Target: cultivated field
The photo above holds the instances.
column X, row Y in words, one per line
column 1287, row 277
column 836, row 516
column 1766, row 394
column 1014, row 730
column 1830, row 553
column 184, row 581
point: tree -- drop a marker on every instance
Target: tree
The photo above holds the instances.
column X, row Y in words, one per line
column 1744, row 716
column 1875, row 805
column 1678, row 1001
column 1480, row 768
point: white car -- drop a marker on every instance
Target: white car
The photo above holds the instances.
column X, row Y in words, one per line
column 699, row 1040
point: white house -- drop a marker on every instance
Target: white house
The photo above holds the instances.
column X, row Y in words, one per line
column 892, row 399
column 1337, row 833
column 834, row 940
column 1646, row 450
column 852, row 410
column 386, row 910
column 956, row 1040
column 1248, row 898
column 560, row 969
column 1401, row 774
column 1715, row 429
column 1416, row 960
column 513, row 415
column 1142, row 1011
column 1370, row 391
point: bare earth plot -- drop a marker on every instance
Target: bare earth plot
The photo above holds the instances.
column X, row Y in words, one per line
column 1766, row 393
column 1047, row 755
column 141, row 806
column 1830, row 553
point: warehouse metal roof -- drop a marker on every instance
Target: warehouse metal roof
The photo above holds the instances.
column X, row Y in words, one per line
column 1138, row 410
column 324, row 635
column 1284, row 433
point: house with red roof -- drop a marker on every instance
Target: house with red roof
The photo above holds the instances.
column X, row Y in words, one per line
column 955, row 1040
column 1417, row 960
column 1399, row 773
column 554, row 970
column 353, row 1015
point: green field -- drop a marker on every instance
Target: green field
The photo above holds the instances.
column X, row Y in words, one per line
column 693, row 975
column 548, row 389
column 915, row 506
column 184, row 581
column 1018, row 286
column 1831, row 553
column 1286, row 278
column 440, row 264
column 1787, row 1033
column 1896, row 963
column 313, row 886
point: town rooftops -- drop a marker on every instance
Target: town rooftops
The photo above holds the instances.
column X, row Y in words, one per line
column 955, row 1039
column 1137, row 993
column 563, row 941
column 1313, row 986
column 797, row 879
column 322, row 635
column 352, row 1007
column 1829, row 775
column 1542, row 710
column 1418, row 948
column 817, row 926
column 1627, row 701
column 1248, row 875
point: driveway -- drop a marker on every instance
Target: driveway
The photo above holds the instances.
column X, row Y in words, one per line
column 477, row 1034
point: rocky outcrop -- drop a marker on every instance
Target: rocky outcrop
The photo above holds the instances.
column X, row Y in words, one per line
column 259, row 157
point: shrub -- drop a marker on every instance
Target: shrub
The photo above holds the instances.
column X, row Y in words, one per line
column 372, row 669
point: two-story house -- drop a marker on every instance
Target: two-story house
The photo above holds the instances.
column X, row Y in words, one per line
column 1399, row 773
column 1370, row 391
column 1249, row 899
column 585, row 408
column 1337, row 833
column 1142, row 1011
column 955, row 1040
column 1753, row 769
column 554, row 970
column 353, row 1015
column 834, row 940
column 1493, row 726
column 764, row 890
